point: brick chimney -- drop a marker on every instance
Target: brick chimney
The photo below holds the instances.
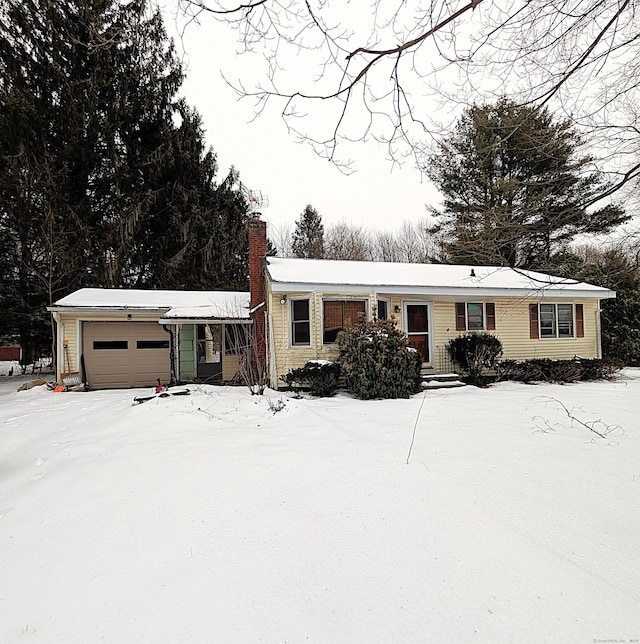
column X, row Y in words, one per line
column 257, row 254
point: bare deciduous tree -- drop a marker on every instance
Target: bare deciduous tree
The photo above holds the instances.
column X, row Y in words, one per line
column 281, row 236
column 344, row 241
column 413, row 242
column 368, row 72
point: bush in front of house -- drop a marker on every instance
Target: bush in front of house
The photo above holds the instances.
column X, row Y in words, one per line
column 320, row 377
column 559, row 371
column 475, row 354
column 377, row 361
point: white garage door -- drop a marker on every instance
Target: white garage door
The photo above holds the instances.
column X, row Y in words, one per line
column 125, row 354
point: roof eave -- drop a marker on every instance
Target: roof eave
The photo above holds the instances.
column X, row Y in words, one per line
column 107, row 309
column 446, row 291
column 195, row 320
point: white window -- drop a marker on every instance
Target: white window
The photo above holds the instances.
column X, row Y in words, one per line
column 300, row 323
column 475, row 316
column 556, row 320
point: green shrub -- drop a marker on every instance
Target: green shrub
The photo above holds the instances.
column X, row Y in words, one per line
column 322, row 378
column 377, row 361
column 475, row 354
column 547, row 370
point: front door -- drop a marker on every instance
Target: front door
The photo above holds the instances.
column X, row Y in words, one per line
column 209, row 353
column 417, row 328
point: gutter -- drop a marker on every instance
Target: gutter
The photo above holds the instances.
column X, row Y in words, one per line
column 205, row 321
column 256, row 308
column 548, row 292
column 108, row 309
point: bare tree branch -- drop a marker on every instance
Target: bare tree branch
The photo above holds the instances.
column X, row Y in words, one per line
column 415, row 65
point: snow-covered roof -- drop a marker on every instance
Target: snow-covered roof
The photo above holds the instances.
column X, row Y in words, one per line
column 171, row 304
column 423, row 279
column 237, row 309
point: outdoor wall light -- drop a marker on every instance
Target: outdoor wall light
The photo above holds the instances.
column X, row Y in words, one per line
column 283, row 299
column 396, row 309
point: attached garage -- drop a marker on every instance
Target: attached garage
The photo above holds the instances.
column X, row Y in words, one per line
column 120, row 338
column 125, row 354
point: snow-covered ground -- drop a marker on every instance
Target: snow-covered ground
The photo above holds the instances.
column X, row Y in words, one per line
column 214, row 518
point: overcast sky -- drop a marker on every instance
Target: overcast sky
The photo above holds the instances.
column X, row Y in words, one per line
column 377, row 195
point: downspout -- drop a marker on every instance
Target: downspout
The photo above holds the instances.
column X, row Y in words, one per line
column 59, row 339
column 273, row 371
column 315, row 328
column 599, row 329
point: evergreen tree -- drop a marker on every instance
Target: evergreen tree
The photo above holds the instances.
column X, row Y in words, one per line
column 105, row 179
column 515, row 190
column 617, row 268
column 377, row 361
column 308, row 236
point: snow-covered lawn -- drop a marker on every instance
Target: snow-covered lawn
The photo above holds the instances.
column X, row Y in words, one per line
column 212, row 518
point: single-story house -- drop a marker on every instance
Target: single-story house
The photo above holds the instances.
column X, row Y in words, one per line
column 296, row 307
column 534, row 315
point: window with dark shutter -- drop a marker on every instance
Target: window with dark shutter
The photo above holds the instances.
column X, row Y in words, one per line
column 579, row 321
column 475, row 316
column 534, row 330
column 491, row 316
column 461, row 317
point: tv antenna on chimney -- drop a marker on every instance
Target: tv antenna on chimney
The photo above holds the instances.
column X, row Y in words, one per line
column 255, row 199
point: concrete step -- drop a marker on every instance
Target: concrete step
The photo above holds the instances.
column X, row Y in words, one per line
column 441, row 381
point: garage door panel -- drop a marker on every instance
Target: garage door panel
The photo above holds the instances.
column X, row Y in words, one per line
column 125, row 354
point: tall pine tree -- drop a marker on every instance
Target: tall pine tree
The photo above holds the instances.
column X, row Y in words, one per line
column 308, row 236
column 516, row 192
column 105, row 179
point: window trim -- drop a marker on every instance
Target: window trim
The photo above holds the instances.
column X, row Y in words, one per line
column 556, row 325
column 488, row 316
column 293, row 322
column 535, row 321
column 343, row 300
column 388, row 303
